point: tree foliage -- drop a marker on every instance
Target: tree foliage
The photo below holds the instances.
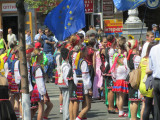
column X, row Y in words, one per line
column 44, row 6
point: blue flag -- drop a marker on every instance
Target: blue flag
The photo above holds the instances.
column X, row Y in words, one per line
column 123, row 5
column 66, row 19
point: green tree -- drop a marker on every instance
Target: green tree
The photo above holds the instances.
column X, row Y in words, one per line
column 45, row 6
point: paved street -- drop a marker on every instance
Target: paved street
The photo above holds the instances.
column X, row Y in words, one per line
column 98, row 110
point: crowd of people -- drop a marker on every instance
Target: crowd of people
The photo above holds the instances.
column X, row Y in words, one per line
column 89, row 66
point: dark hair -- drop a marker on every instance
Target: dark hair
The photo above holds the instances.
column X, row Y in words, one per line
column 122, row 42
column 64, row 53
column 91, row 26
column 80, row 35
column 12, row 45
column 47, row 29
column 110, row 38
column 83, row 49
column 91, row 42
column 116, row 35
column 102, row 38
column 151, row 44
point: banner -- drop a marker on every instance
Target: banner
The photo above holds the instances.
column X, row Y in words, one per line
column 88, row 6
column 123, row 5
column 112, row 26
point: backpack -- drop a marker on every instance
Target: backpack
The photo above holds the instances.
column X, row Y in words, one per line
column 135, row 78
column 135, row 74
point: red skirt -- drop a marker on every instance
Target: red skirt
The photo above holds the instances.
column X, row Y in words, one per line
column 14, row 87
column 80, row 91
column 120, row 86
column 56, row 77
column 9, row 77
column 36, row 96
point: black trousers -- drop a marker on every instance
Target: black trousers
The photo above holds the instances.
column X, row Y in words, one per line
column 156, row 92
column 148, row 108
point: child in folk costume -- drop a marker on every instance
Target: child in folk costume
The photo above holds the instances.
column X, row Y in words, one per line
column 108, row 81
column 63, row 82
column 17, row 75
column 58, row 60
column 14, row 87
column 98, row 79
column 73, row 105
column 82, row 80
column 133, row 63
column 90, row 58
column 39, row 93
column 119, row 72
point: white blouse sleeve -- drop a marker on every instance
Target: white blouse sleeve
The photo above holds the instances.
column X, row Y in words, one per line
column 17, row 72
column 65, row 71
column 126, row 65
column 29, row 78
column 6, row 69
column 58, row 64
column 85, row 76
column 40, row 81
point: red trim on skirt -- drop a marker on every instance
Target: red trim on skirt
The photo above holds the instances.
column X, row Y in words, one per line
column 120, row 86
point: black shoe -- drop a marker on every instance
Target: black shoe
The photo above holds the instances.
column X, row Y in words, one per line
column 111, row 111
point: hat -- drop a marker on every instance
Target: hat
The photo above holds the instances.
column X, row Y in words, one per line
column 1, row 30
column 154, row 25
column 37, row 45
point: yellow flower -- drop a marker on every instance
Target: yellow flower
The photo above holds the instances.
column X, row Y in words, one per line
column 130, row 36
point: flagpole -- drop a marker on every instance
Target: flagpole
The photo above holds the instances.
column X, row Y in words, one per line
column 140, row 39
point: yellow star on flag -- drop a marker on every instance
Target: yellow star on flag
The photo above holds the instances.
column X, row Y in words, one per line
column 71, row 18
column 68, row 6
column 70, row 12
column 69, row 24
column 65, row 27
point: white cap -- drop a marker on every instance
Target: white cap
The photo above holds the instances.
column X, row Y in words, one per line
column 1, row 30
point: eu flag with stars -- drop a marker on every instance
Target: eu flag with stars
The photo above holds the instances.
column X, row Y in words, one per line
column 66, row 19
column 123, row 5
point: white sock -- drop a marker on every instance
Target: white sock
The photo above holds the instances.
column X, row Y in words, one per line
column 78, row 118
column 120, row 112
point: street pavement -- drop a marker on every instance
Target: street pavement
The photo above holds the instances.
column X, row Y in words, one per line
column 98, row 108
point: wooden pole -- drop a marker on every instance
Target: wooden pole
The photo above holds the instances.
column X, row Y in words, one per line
column 23, row 61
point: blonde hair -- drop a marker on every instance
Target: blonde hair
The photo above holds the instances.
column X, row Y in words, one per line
column 149, row 33
column 29, row 47
column 36, row 52
column 73, row 40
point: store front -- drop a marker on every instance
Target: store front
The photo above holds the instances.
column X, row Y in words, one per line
column 9, row 18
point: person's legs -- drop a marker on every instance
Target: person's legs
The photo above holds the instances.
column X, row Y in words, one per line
column 71, row 103
column 75, row 109
column 117, row 99
column 65, row 93
column 16, row 105
column 33, row 112
column 40, row 110
column 156, row 92
column 148, row 108
column 87, row 107
column 61, row 101
column 111, row 100
column 134, row 109
column 48, row 109
column 121, row 100
column 142, row 109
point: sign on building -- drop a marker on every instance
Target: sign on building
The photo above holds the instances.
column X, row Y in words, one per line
column 6, row 7
column 88, row 6
column 112, row 26
column 108, row 8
